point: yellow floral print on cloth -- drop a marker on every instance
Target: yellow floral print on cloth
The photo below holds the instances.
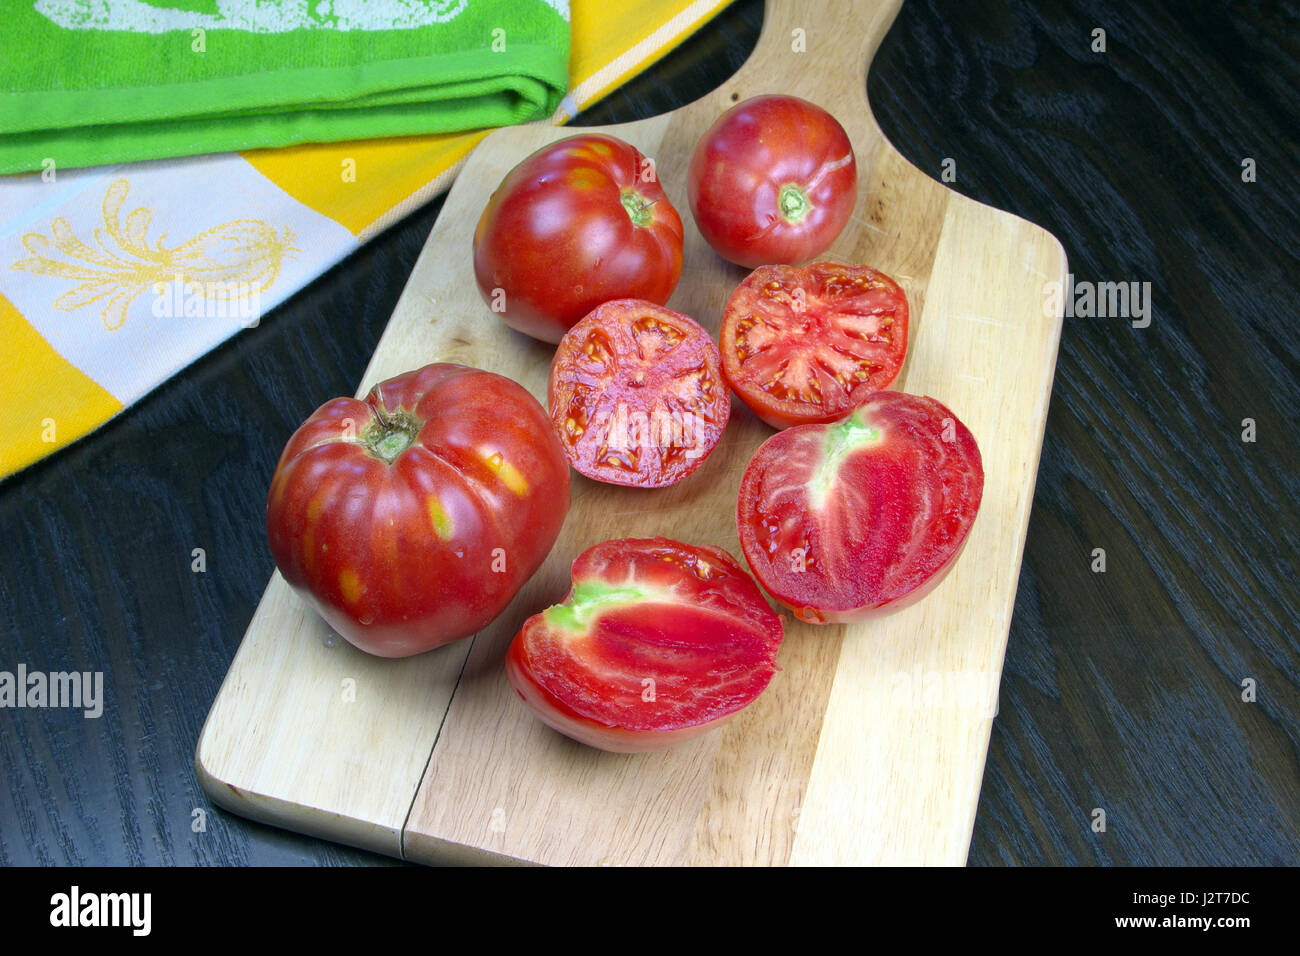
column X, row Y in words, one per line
column 232, row 261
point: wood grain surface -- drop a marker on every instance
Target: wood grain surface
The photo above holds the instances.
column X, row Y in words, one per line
column 1120, row 690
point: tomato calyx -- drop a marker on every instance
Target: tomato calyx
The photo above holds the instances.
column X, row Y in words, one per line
column 388, row 434
column 588, row 599
column 639, row 209
column 794, row 203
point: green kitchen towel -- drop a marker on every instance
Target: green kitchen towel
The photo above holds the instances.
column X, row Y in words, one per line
column 88, row 82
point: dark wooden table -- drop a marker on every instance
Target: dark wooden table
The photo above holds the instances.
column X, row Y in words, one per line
column 1122, row 690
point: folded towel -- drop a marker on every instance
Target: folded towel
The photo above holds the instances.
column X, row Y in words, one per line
column 87, row 82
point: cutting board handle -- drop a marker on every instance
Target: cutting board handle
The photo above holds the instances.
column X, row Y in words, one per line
column 802, row 42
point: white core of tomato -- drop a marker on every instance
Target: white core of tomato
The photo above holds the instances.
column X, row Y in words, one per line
column 842, row 439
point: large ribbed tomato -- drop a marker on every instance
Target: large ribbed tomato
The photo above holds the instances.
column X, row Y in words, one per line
column 577, row 223
column 657, row 642
column 410, row 519
column 864, row 516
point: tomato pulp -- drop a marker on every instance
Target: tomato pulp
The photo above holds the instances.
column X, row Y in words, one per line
column 864, row 516
column 656, row 642
column 636, row 394
column 579, row 222
column 806, row 345
column 410, row 519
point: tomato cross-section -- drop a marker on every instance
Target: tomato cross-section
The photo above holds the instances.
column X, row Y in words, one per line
column 802, row 346
column 636, row 394
column 656, row 642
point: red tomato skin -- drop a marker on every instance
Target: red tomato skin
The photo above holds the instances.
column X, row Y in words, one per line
column 404, row 557
column 704, row 634
column 642, row 378
column 851, row 570
column 740, row 166
column 883, row 297
column 554, row 713
column 557, row 241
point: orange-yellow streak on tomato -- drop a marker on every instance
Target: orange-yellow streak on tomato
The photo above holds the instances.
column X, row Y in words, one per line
column 507, row 472
column 277, row 494
column 591, row 149
column 439, row 518
column 350, row 585
column 389, row 554
column 314, row 509
column 584, row 179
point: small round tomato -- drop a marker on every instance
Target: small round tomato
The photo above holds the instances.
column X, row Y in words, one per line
column 656, row 642
column 807, row 345
column 773, row 180
column 636, row 394
column 577, row 223
column 410, row 519
column 864, row 516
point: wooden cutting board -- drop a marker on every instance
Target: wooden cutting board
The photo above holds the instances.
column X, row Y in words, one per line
column 869, row 744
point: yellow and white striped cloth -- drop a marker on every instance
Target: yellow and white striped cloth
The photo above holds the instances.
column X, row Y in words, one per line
column 112, row 279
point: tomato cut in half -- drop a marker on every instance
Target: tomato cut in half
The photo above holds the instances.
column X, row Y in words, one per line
column 656, row 642
column 803, row 346
column 865, row 516
column 636, row 394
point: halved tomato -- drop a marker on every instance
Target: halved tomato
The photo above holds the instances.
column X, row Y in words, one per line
column 807, row 345
column 656, row 642
column 636, row 394
column 865, row 516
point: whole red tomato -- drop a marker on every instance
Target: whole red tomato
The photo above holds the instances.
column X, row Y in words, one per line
column 410, row 519
column 772, row 181
column 862, row 517
column 805, row 345
column 636, row 394
column 577, row 223
column 656, row 642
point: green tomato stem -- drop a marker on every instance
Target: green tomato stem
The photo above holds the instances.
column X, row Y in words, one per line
column 390, row 434
column 793, row 203
column 639, row 209
column 587, row 600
